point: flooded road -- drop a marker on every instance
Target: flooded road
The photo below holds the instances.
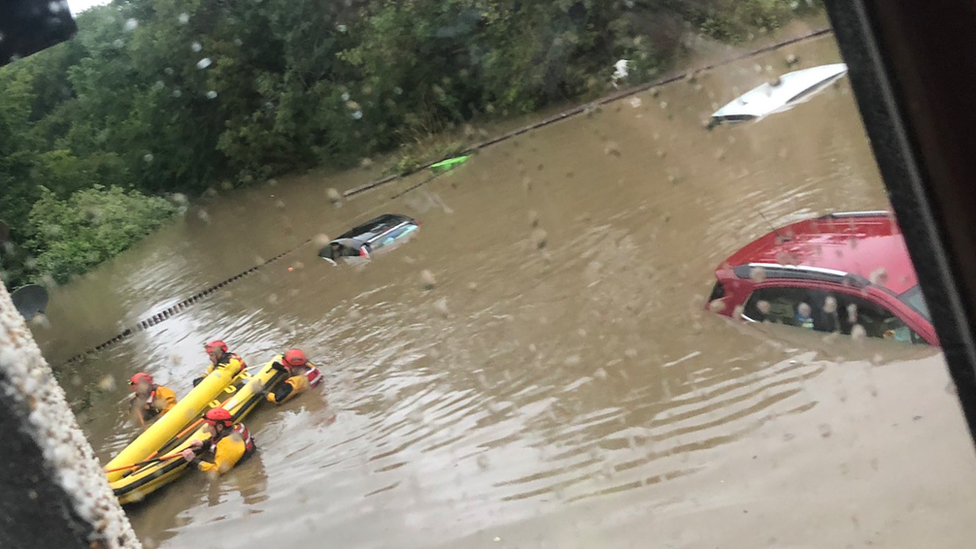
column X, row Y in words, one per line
column 559, row 385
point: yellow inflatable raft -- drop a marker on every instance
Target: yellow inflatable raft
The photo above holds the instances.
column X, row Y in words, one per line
column 160, row 433
column 149, row 478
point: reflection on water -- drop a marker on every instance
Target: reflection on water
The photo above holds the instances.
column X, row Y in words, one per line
column 554, row 366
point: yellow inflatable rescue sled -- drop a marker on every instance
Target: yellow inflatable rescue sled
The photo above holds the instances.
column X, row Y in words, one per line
column 188, row 409
column 135, row 486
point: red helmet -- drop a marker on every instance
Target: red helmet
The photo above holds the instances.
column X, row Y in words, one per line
column 214, row 345
column 141, row 377
column 218, row 415
column 294, row 358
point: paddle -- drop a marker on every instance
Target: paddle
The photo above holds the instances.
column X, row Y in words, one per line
column 147, row 462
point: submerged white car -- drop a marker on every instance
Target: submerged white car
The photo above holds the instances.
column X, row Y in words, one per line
column 789, row 91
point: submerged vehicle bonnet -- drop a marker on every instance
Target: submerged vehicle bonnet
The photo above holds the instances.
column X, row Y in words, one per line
column 791, row 89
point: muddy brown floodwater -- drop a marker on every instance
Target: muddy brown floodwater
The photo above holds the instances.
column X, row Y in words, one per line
column 560, row 384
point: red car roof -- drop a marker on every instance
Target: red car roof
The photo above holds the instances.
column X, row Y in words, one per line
column 860, row 243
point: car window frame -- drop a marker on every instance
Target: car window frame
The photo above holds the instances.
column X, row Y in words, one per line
column 874, row 294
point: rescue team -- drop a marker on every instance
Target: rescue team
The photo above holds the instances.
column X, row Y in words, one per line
column 228, row 443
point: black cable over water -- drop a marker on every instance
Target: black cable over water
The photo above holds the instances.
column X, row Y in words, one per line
column 172, row 311
column 575, row 111
column 581, row 109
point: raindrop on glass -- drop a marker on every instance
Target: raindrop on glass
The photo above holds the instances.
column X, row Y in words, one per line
column 204, row 63
column 107, row 383
column 196, row 47
column 427, row 280
column 211, row 94
column 147, row 158
column 184, row 18
column 540, row 238
column 333, row 195
column 130, row 25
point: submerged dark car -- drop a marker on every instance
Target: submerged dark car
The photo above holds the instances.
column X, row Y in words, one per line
column 363, row 240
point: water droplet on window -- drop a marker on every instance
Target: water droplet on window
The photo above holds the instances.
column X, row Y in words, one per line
column 427, row 280
column 441, row 306
column 204, row 63
column 177, row 93
column 333, row 195
column 879, row 276
column 540, row 238
column 341, row 28
column 357, row 115
column 196, row 47
column 147, row 158
column 107, row 383
column 238, row 42
column 211, row 94
column 858, row 332
column 130, row 25
column 118, row 43
column 345, row 96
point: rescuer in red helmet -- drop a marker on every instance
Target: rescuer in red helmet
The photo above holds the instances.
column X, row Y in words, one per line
column 228, row 444
column 149, row 400
column 221, row 359
column 302, row 375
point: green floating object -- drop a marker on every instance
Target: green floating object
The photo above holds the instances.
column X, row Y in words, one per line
column 449, row 164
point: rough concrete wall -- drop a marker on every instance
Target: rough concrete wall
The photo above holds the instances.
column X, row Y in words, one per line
column 53, row 492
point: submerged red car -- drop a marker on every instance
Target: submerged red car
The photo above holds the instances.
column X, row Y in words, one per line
column 831, row 274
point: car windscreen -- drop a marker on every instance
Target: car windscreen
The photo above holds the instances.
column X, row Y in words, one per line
column 914, row 299
column 336, row 249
